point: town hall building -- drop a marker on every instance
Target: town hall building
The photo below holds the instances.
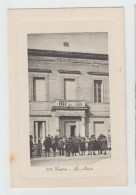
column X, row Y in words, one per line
column 68, row 94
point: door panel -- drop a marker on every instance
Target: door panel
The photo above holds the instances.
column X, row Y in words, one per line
column 73, row 127
column 67, row 130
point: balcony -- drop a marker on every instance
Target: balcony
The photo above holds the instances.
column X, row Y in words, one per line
column 69, row 105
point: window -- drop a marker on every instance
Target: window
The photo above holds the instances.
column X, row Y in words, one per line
column 39, row 89
column 69, row 89
column 97, row 91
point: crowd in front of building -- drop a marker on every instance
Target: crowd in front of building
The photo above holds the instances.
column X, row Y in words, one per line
column 70, row 146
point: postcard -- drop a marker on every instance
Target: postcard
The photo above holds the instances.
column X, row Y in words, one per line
column 67, row 97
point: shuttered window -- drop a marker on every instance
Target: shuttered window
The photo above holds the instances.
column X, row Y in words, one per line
column 69, row 89
column 39, row 89
column 97, row 91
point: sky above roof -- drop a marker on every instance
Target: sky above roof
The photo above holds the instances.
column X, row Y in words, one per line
column 96, row 42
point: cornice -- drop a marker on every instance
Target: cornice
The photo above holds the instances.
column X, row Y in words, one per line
column 64, row 54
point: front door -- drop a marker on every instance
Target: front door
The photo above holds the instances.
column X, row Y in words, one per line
column 72, row 130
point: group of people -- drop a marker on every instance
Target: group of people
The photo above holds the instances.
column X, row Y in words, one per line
column 70, row 146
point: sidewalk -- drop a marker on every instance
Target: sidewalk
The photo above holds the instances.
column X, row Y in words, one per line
column 71, row 160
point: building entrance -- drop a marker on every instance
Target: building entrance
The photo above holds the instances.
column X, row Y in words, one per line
column 70, row 126
column 72, row 130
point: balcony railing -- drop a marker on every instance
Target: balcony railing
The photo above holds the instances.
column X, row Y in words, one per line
column 70, row 103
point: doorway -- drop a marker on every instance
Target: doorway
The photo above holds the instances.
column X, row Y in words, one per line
column 72, row 130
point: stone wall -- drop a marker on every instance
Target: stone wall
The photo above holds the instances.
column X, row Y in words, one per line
column 55, row 70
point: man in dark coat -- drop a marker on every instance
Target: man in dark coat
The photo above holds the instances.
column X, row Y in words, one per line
column 75, row 146
column 60, row 145
column 94, row 144
column 54, row 146
column 47, row 145
column 99, row 145
column 104, row 144
column 82, row 146
column 56, row 138
column 68, row 146
column 49, row 140
column 90, row 146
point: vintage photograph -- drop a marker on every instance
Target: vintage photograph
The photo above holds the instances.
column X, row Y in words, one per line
column 69, row 98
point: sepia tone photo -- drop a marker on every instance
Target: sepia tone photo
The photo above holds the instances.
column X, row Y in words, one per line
column 69, row 99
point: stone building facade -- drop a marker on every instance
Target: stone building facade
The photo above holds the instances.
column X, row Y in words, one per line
column 68, row 94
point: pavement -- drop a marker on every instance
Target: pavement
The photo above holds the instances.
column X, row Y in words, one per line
column 71, row 160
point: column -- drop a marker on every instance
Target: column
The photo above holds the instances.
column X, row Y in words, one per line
column 43, row 130
column 36, row 131
column 83, row 126
column 47, row 127
column 77, row 128
column 57, row 126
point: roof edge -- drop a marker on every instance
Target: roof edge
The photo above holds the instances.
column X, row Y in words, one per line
column 64, row 54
